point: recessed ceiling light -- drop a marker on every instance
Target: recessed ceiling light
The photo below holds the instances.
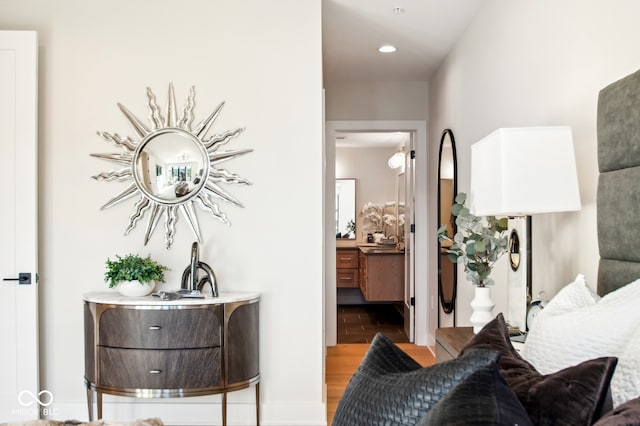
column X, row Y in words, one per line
column 387, row 48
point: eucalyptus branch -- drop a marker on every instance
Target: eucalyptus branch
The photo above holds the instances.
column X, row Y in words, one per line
column 478, row 243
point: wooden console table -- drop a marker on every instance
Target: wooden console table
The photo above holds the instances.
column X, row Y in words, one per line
column 144, row 347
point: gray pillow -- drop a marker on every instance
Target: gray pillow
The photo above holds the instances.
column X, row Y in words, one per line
column 482, row 399
column 390, row 388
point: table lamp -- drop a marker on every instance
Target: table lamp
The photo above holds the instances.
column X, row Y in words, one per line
column 518, row 172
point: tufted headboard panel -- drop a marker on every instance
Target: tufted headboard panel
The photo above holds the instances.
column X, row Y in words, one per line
column 618, row 200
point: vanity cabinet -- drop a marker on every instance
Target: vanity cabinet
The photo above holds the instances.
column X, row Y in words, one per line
column 381, row 275
column 347, row 267
column 144, row 347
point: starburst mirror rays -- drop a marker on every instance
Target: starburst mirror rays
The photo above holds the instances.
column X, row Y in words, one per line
column 172, row 167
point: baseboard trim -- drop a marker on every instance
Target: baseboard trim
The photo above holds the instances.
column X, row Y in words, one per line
column 195, row 411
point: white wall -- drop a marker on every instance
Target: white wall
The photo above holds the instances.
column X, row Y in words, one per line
column 264, row 60
column 375, row 181
column 382, row 100
column 534, row 64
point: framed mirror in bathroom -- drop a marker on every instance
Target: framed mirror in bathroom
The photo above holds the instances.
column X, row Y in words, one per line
column 447, row 190
column 346, row 209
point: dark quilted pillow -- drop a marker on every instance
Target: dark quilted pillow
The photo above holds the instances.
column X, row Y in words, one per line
column 627, row 414
column 482, row 399
column 390, row 388
column 572, row 396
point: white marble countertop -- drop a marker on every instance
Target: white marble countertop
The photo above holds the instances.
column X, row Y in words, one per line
column 115, row 298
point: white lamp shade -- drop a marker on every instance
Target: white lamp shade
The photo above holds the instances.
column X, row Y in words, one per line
column 523, row 171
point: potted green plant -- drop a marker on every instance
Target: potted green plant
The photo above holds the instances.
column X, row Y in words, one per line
column 478, row 244
column 133, row 275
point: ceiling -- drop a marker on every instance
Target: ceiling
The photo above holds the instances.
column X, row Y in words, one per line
column 423, row 31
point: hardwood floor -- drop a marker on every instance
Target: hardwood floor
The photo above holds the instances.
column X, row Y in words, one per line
column 343, row 359
column 359, row 323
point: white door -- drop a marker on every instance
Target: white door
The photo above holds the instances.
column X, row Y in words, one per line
column 409, row 238
column 20, row 396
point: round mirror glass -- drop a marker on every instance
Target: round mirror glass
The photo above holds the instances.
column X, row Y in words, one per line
column 170, row 166
column 447, row 189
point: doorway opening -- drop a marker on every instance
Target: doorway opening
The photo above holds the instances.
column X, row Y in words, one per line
column 410, row 305
column 372, row 275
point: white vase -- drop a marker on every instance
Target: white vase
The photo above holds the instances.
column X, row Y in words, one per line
column 135, row 288
column 482, row 305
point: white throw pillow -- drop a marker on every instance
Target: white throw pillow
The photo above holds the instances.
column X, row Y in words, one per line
column 626, row 379
column 577, row 326
column 574, row 295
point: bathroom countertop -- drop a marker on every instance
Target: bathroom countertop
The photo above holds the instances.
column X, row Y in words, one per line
column 380, row 249
column 113, row 297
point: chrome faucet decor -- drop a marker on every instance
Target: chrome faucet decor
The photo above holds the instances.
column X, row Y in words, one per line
column 190, row 277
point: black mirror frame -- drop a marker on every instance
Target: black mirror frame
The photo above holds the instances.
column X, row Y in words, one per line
column 447, row 306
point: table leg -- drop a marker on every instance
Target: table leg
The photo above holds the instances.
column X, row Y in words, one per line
column 90, row 403
column 258, row 404
column 90, row 394
column 224, row 409
column 99, row 404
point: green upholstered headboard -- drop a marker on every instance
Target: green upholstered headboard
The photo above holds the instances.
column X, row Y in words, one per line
column 618, row 199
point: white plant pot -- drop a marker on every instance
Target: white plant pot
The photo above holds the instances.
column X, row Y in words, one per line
column 135, row 288
column 482, row 305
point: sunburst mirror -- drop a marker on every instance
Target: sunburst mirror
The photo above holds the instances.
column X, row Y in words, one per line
column 172, row 167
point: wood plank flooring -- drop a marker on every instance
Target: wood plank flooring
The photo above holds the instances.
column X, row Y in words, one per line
column 343, row 360
column 359, row 323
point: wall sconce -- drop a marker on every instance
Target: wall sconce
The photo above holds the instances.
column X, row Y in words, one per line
column 518, row 172
column 396, row 161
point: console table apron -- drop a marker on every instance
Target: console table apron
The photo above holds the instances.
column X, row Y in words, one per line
column 144, row 347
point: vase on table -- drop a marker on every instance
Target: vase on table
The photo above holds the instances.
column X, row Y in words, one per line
column 135, row 288
column 482, row 307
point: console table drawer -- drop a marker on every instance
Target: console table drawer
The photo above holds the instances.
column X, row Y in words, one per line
column 161, row 329
column 160, row 369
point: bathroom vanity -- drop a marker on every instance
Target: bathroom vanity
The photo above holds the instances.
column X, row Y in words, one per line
column 381, row 274
column 144, row 347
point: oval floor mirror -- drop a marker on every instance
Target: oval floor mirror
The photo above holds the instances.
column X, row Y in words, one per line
column 447, row 189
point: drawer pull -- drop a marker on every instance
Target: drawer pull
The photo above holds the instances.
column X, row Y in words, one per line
column 345, row 259
column 154, row 327
column 155, row 371
column 345, row 279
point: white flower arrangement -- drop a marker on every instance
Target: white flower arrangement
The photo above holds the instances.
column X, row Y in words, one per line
column 377, row 221
column 372, row 216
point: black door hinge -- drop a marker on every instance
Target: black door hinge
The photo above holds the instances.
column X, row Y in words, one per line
column 413, row 228
column 412, row 302
column 413, row 154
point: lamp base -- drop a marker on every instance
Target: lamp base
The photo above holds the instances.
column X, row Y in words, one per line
column 519, row 273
